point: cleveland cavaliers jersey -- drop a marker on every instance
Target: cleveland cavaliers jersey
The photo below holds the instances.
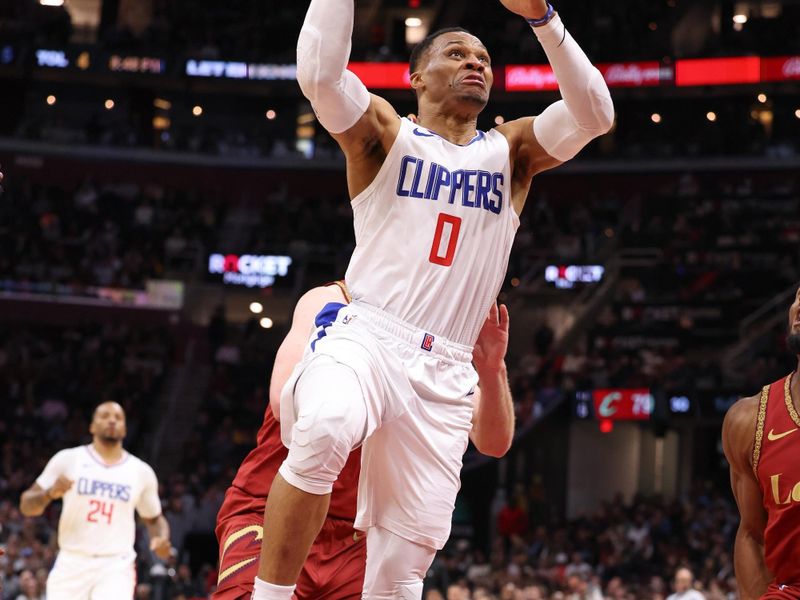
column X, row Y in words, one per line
column 776, row 466
column 97, row 517
column 434, row 231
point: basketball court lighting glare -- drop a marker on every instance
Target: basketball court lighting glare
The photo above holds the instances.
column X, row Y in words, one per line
column 655, row 118
column 109, row 104
column 271, row 115
column 740, row 19
column 256, row 308
column 797, row 113
column 51, row 2
column 499, row 120
column 711, row 116
column 266, row 323
column 51, row 99
column 197, row 111
column 413, row 22
column 762, row 98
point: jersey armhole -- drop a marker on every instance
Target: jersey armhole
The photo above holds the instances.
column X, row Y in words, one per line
column 762, row 417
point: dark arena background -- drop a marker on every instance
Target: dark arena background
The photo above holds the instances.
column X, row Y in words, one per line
column 169, row 195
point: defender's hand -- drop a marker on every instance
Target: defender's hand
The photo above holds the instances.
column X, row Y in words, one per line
column 490, row 348
column 59, row 488
column 530, row 9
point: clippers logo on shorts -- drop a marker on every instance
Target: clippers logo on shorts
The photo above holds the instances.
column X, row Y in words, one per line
column 427, row 342
column 104, row 489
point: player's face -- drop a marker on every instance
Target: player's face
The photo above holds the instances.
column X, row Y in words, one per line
column 458, row 65
column 109, row 422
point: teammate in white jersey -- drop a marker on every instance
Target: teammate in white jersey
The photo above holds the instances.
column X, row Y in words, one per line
column 101, row 485
column 436, row 207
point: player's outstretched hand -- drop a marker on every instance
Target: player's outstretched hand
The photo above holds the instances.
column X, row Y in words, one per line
column 490, row 348
column 161, row 546
column 60, row 487
column 530, row 9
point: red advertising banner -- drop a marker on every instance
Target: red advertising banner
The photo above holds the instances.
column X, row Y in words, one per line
column 623, row 405
column 385, row 76
column 783, row 68
column 530, row 78
column 538, row 78
column 718, row 71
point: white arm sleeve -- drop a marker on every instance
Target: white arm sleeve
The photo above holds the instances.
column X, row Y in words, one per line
column 586, row 110
column 56, row 466
column 148, row 504
column 338, row 97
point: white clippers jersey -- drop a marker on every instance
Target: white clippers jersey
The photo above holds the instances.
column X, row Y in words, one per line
column 97, row 516
column 434, row 231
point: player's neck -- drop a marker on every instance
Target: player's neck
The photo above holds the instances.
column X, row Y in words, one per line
column 110, row 452
column 794, row 388
column 455, row 128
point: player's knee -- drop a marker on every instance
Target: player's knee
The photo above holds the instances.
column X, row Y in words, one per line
column 322, row 439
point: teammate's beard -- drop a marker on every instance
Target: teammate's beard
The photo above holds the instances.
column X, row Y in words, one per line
column 793, row 343
column 110, row 439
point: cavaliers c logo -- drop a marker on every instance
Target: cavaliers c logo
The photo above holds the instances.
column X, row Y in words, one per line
column 257, row 531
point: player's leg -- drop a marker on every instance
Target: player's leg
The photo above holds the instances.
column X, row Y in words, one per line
column 70, row 579
column 115, row 578
column 337, row 560
column 395, row 566
column 331, row 420
column 239, row 548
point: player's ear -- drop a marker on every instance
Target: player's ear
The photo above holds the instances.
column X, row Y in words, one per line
column 417, row 82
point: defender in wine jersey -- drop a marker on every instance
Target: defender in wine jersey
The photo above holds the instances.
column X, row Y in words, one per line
column 762, row 443
column 436, row 206
column 335, row 567
column 101, row 486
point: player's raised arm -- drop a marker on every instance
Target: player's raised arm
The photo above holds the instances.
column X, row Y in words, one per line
column 738, row 433
column 586, row 110
column 364, row 125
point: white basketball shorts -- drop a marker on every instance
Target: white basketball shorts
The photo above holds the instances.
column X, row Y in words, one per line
column 78, row 576
column 416, row 388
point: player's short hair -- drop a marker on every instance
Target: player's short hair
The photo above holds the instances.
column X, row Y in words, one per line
column 418, row 53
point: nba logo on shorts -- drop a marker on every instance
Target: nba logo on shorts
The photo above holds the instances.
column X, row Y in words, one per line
column 427, row 342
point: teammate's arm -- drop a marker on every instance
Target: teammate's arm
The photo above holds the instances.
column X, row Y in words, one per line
column 51, row 485
column 585, row 112
column 36, row 498
column 158, row 530
column 364, row 125
column 493, row 412
column 738, row 434
column 294, row 344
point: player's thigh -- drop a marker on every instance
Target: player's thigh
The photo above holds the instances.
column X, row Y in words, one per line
column 339, row 569
column 70, row 579
column 235, row 592
column 395, row 566
column 115, row 580
column 240, row 547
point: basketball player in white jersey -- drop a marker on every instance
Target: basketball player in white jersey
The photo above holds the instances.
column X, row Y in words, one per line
column 436, row 207
column 101, row 485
